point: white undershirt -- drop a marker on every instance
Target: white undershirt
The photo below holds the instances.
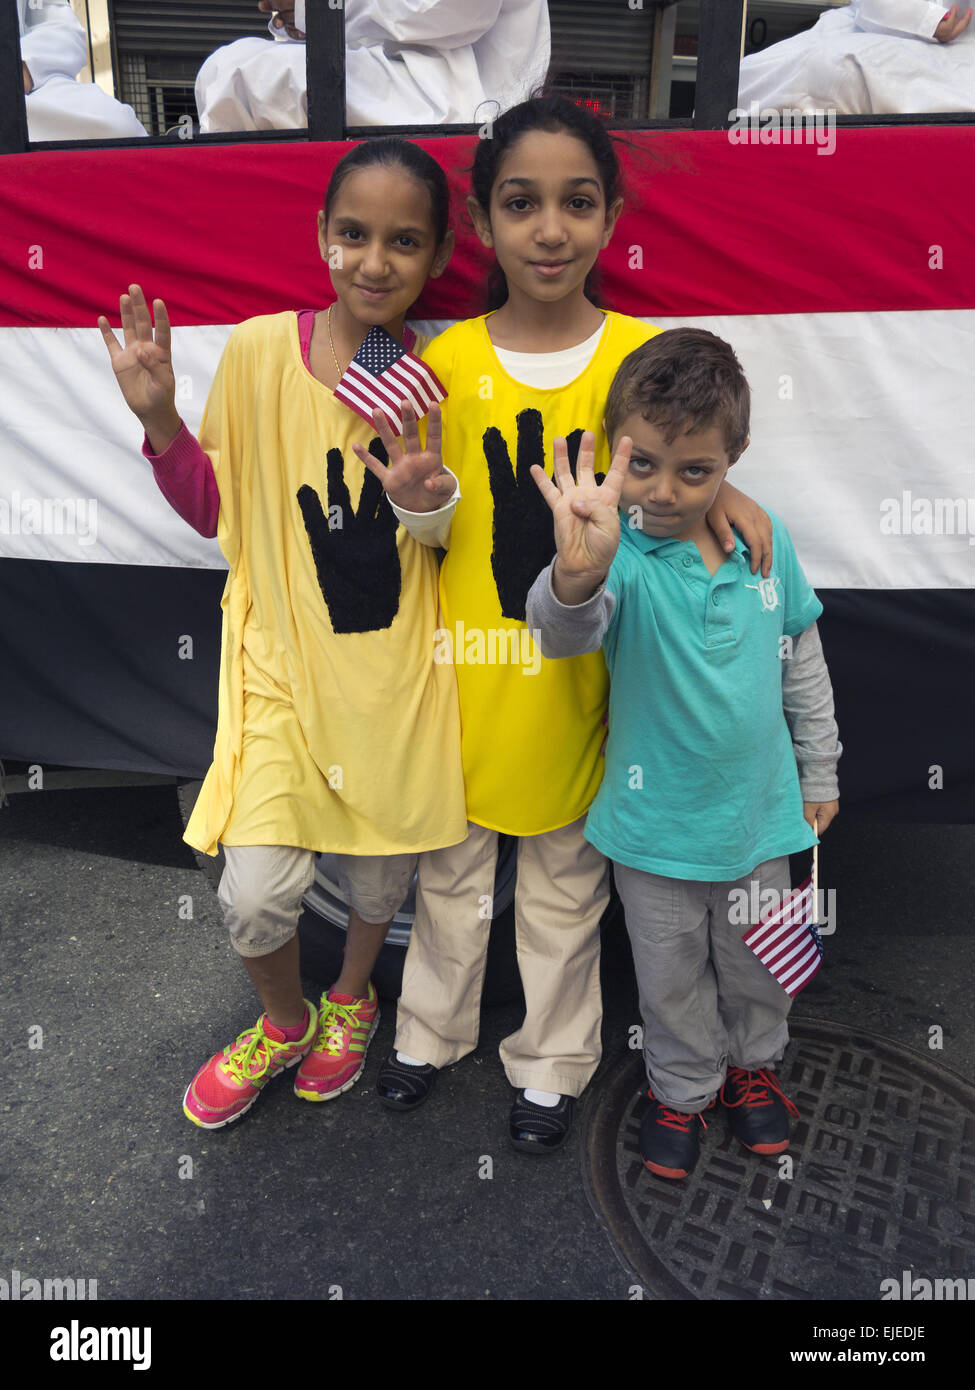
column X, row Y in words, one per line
column 546, row 370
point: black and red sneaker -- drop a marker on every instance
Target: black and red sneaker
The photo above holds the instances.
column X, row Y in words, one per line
column 757, row 1110
column 670, row 1140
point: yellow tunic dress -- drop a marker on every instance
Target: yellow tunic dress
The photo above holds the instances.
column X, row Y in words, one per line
column 531, row 729
column 337, row 730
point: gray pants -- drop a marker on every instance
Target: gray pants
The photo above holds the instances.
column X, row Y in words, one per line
column 706, row 1000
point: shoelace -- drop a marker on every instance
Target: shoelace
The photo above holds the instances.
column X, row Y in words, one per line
column 755, row 1091
column 675, row 1119
column 334, row 1029
column 243, row 1061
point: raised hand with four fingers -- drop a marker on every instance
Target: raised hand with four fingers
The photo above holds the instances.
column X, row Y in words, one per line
column 586, row 516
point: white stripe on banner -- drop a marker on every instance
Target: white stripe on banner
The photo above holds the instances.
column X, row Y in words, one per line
column 74, row 485
column 862, row 430
column 861, row 426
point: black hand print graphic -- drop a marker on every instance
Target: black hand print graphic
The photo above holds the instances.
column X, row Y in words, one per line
column 357, row 561
column 524, row 538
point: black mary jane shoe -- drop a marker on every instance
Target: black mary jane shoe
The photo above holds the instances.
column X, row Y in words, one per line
column 539, row 1129
column 401, row 1087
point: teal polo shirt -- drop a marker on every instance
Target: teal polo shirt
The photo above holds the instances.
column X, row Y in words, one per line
column 701, row 779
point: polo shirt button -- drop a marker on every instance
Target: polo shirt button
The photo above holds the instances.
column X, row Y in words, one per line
column 687, row 561
column 715, row 598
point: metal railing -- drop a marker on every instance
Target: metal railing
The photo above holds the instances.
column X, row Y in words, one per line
column 719, row 50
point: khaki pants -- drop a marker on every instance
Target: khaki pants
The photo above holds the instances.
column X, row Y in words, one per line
column 262, row 886
column 561, row 894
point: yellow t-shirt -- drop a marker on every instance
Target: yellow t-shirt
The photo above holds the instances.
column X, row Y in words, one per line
column 531, row 729
column 337, row 729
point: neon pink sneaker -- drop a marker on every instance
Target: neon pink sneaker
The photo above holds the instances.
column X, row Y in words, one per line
column 231, row 1081
column 345, row 1027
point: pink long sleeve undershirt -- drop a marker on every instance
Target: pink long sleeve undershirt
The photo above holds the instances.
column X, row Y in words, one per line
column 184, row 472
column 184, row 475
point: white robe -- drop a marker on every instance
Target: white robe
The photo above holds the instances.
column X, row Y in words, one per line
column 54, row 47
column 874, row 57
column 407, row 62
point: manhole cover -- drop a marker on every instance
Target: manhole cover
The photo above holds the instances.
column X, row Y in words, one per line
column 881, row 1184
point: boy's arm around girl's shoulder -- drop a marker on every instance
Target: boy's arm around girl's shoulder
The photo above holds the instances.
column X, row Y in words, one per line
column 567, row 630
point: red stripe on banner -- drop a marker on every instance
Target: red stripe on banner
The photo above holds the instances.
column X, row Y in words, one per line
column 225, row 232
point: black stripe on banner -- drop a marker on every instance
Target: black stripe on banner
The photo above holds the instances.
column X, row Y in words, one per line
column 902, row 663
column 92, row 672
column 92, row 676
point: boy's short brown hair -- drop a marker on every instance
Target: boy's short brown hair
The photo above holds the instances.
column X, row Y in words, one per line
column 682, row 380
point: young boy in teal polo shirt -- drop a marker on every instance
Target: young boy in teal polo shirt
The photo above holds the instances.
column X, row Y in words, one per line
column 722, row 749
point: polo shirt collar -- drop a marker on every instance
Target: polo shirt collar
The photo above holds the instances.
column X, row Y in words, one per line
column 668, row 544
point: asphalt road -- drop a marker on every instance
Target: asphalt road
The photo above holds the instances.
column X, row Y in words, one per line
column 112, row 997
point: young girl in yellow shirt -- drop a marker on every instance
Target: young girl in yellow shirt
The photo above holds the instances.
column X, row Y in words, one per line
column 336, row 729
column 545, row 198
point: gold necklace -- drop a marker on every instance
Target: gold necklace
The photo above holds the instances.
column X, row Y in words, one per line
column 328, row 325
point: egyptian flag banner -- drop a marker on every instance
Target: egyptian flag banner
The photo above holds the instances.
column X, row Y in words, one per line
column 382, row 375
column 843, row 282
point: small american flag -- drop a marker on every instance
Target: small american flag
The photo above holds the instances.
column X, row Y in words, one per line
column 787, row 940
column 383, row 374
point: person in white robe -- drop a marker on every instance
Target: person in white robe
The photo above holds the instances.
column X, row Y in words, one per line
column 408, row 62
column 872, row 57
column 53, row 50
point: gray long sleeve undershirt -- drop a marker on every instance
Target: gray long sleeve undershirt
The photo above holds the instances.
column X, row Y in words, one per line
column 807, row 695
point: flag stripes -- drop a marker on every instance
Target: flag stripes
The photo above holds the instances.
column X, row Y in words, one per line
column 850, row 304
column 786, row 940
column 799, row 241
column 382, row 374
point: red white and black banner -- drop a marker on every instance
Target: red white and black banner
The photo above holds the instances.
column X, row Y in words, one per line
column 843, row 282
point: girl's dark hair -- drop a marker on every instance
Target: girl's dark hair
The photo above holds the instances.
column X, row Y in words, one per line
column 389, row 150
column 551, row 113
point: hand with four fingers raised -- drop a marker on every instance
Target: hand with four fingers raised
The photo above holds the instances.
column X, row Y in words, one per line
column 586, row 517
column 144, row 366
column 415, row 479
